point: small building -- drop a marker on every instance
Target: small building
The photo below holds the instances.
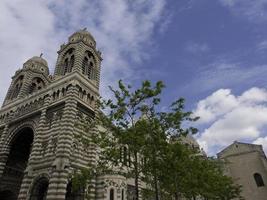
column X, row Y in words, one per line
column 247, row 165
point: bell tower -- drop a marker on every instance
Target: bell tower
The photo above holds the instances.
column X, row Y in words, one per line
column 80, row 55
column 32, row 77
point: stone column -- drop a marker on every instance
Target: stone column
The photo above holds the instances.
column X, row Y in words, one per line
column 79, row 55
column 3, row 151
column 59, row 177
column 35, row 153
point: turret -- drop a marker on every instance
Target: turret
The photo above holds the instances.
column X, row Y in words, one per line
column 80, row 55
column 33, row 77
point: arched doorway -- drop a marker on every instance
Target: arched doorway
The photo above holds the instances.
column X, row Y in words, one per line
column 7, row 195
column 19, row 152
column 73, row 195
column 39, row 190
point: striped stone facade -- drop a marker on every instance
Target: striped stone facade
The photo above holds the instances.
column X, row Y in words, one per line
column 45, row 113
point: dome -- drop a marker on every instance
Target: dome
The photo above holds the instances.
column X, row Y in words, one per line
column 83, row 35
column 37, row 63
column 190, row 140
column 39, row 59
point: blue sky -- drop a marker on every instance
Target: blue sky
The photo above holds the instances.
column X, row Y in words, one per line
column 212, row 52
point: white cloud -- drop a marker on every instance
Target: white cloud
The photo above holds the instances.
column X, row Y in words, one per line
column 228, row 2
column 27, row 29
column 253, row 96
column 224, row 73
column 255, row 11
column 196, row 48
column 262, row 46
column 123, row 30
column 231, row 117
column 262, row 141
column 215, row 105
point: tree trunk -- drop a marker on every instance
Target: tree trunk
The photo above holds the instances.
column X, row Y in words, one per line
column 136, row 176
column 156, row 186
column 176, row 196
column 156, row 189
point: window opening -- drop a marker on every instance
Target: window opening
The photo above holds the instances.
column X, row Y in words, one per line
column 111, row 194
column 258, row 180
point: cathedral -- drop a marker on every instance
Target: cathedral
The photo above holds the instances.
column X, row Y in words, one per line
column 40, row 145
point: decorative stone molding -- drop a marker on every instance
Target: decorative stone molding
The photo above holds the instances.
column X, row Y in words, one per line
column 14, row 132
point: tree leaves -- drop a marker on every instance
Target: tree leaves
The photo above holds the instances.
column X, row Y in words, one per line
column 133, row 121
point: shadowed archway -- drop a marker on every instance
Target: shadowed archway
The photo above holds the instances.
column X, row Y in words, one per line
column 7, row 195
column 19, row 152
column 74, row 195
column 39, row 190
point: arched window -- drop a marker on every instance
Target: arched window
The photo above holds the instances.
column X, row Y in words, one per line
column 37, row 84
column 66, row 64
column 85, row 60
column 129, row 158
column 16, row 88
column 16, row 91
column 122, row 194
column 74, row 194
column 88, row 65
column 85, row 67
column 258, row 180
column 39, row 190
column 71, row 63
column 68, row 61
column 111, row 194
column 125, row 154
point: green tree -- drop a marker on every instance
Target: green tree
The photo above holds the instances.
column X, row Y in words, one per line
column 193, row 176
column 159, row 128
column 121, row 121
column 134, row 134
